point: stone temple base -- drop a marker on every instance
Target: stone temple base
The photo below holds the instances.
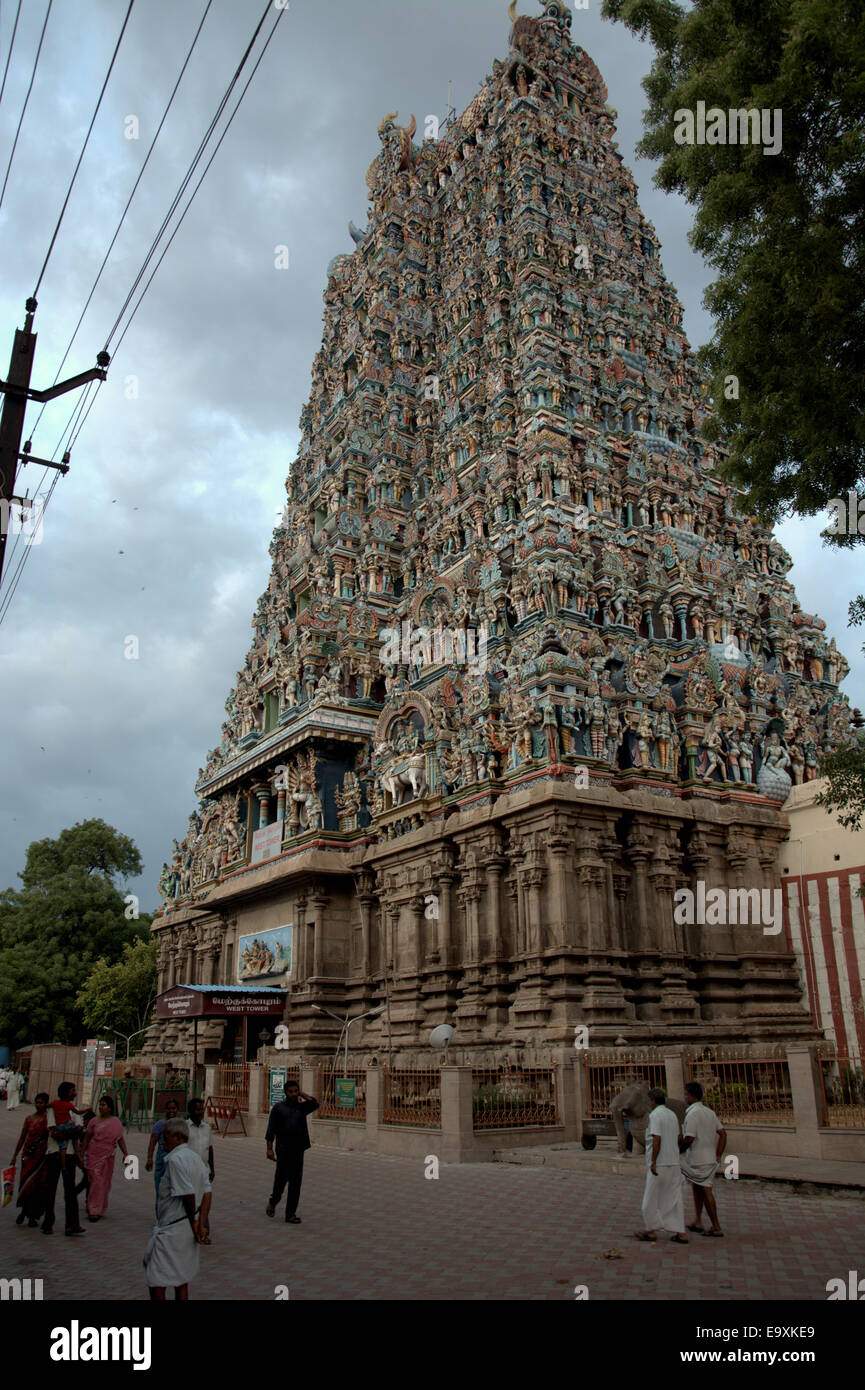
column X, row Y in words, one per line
column 516, row 921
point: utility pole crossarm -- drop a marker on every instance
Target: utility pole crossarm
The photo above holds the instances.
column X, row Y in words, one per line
column 61, row 387
column 17, row 392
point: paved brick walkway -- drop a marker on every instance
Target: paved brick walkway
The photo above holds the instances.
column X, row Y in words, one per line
column 376, row 1228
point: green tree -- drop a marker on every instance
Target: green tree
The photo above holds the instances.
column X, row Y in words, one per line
column 844, row 769
column 69, row 913
column 786, row 231
column 121, row 995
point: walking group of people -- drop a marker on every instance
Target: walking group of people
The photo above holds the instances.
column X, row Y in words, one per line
column 59, row 1142
column 677, row 1159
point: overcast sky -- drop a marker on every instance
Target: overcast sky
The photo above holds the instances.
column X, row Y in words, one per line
column 160, row 530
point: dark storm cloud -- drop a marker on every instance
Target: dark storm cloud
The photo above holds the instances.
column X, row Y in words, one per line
column 186, row 479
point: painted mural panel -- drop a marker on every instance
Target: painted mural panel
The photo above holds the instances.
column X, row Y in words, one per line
column 264, row 955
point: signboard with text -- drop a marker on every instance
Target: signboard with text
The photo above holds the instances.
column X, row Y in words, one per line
column 267, row 843
column 344, row 1092
column 277, row 1084
column 184, row 1002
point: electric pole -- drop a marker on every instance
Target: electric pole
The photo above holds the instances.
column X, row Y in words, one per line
column 17, row 392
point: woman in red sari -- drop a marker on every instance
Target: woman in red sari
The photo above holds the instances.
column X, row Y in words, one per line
column 103, row 1135
column 31, row 1184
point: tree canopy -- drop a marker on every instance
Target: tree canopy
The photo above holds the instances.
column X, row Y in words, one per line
column 121, row 995
column 785, row 231
column 69, row 914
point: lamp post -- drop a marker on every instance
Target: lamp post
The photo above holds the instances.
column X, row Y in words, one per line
column 346, row 1024
column 129, row 1036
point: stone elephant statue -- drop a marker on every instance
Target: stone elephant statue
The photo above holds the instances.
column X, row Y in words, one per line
column 633, row 1104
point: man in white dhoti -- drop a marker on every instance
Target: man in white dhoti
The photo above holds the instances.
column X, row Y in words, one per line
column 662, row 1199
column 14, row 1085
column 171, row 1257
column 703, row 1142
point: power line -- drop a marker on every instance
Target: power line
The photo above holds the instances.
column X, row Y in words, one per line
column 83, row 148
column 81, row 411
column 191, row 169
column 128, row 204
column 11, row 46
column 128, row 324
column 26, row 99
column 197, row 186
column 16, row 578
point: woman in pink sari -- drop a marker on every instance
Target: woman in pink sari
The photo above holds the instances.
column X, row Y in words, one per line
column 104, row 1134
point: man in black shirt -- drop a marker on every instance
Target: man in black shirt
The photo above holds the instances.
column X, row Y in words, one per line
column 287, row 1126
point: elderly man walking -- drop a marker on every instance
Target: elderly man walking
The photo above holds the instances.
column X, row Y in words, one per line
column 171, row 1258
column 703, row 1142
column 663, row 1208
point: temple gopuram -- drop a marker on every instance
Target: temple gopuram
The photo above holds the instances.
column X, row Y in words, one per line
column 523, row 669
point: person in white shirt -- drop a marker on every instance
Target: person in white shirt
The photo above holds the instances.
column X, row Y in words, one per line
column 14, row 1085
column 703, row 1142
column 662, row 1200
column 201, row 1142
column 171, row 1258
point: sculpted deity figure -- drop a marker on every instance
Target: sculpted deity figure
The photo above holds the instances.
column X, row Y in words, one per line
column 664, row 732
column 643, row 752
column 597, row 720
column 668, row 618
column 775, row 755
column 614, row 730
column 714, row 746
column 571, row 717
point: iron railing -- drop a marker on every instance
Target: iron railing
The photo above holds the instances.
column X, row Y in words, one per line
column 139, row 1103
column 232, row 1079
column 843, row 1077
column 609, row 1070
column 412, row 1097
column 743, row 1087
column 509, row 1097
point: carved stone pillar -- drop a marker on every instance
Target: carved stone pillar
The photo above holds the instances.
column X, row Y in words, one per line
column 415, row 907
column 366, row 898
column 442, row 877
column 318, row 902
column 560, row 846
column 173, row 951
column 493, row 867
column 302, row 970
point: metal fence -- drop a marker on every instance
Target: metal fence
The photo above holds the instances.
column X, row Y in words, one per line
column 744, row 1088
column 138, row 1103
column 843, row 1088
column 330, row 1105
column 232, row 1079
column 609, row 1070
column 514, row 1097
column 291, row 1074
column 412, row 1097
